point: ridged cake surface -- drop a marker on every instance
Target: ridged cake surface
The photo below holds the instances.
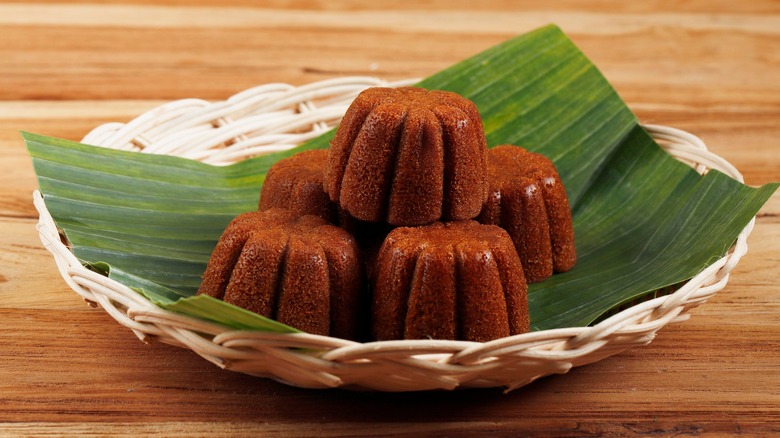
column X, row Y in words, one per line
column 295, row 183
column 454, row 280
column 408, row 156
column 528, row 200
column 298, row 270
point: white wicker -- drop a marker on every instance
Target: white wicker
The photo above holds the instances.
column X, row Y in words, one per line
column 279, row 116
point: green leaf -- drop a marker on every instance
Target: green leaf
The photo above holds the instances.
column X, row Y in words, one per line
column 643, row 220
column 206, row 307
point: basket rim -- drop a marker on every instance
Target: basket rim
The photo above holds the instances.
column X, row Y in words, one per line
column 554, row 350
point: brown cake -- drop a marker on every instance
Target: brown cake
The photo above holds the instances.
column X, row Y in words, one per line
column 296, row 183
column 529, row 201
column 298, row 270
column 453, row 280
column 408, row 156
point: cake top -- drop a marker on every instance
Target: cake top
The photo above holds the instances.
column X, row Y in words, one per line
column 304, row 165
column 418, row 98
column 275, row 219
column 513, row 162
column 309, row 227
column 446, row 236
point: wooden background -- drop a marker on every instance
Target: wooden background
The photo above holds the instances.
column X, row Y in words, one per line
column 710, row 67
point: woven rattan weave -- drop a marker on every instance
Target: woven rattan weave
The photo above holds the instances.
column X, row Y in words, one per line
column 279, row 116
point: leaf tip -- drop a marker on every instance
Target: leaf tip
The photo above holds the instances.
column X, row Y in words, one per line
column 27, row 136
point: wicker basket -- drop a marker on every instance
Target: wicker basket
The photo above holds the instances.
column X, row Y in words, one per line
column 279, row 116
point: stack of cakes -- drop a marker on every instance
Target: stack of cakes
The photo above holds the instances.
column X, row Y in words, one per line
column 407, row 223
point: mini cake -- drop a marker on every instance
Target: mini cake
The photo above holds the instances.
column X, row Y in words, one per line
column 529, row 201
column 296, row 183
column 408, row 156
column 454, row 280
column 298, row 270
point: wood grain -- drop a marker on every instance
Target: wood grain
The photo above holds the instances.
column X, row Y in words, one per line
column 709, row 67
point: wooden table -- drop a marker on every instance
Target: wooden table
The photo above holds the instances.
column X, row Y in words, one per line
column 709, row 67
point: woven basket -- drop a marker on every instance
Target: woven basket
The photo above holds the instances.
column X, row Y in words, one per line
column 279, row 116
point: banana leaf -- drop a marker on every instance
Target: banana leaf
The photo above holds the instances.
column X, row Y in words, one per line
column 643, row 220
